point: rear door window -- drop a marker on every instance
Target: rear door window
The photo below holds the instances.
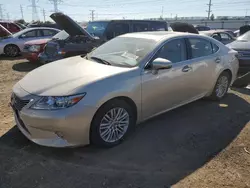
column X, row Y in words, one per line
column 140, row 27
column 200, row 47
column 117, row 29
column 225, row 37
column 49, row 32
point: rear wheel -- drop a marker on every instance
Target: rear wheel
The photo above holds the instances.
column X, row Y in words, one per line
column 11, row 50
column 221, row 86
column 112, row 123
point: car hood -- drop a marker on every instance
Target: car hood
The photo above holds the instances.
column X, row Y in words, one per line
column 69, row 25
column 62, row 77
column 239, row 45
column 38, row 41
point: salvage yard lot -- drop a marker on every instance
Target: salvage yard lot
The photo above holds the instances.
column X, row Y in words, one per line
column 203, row 144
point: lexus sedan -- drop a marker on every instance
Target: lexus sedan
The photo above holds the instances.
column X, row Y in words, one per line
column 14, row 44
column 100, row 97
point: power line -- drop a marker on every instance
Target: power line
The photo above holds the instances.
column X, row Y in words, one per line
column 35, row 16
column 209, row 9
column 44, row 15
column 8, row 16
column 21, row 9
column 1, row 12
column 55, row 3
column 92, row 14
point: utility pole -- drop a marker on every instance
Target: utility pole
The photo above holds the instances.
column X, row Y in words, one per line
column 162, row 8
column 55, row 3
column 209, row 9
column 92, row 13
column 1, row 12
column 34, row 10
column 8, row 16
column 21, row 8
column 44, row 16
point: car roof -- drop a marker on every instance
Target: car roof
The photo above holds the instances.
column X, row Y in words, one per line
column 129, row 21
column 33, row 28
column 157, row 35
column 215, row 31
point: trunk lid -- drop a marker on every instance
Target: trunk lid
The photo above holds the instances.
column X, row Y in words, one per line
column 69, row 25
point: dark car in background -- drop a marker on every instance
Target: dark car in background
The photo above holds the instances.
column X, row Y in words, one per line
column 4, row 32
column 75, row 40
column 50, row 25
column 202, row 28
column 10, row 26
column 242, row 46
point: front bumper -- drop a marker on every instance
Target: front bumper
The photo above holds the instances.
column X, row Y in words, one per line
column 31, row 56
column 55, row 128
column 44, row 58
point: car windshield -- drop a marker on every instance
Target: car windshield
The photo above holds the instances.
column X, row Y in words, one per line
column 96, row 28
column 62, row 35
column 124, row 51
column 245, row 36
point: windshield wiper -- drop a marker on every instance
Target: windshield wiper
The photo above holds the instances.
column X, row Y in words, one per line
column 102, row 60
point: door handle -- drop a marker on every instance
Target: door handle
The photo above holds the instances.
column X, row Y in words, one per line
column 186, row 68
column 217, row 60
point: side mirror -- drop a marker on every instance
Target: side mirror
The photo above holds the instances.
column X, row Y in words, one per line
column 160, row 63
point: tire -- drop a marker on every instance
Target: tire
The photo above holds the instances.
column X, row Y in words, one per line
column 11, row 50
column 219, row 91
column 103, row 133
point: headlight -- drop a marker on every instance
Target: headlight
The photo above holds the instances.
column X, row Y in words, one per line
column 34, row 48
column 54, row 103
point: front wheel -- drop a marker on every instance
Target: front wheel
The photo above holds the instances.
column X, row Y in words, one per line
column 221, row 86
column 112, row 123
column 11, row 50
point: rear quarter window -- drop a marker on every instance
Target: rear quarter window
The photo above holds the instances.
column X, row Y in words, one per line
column 215, row 48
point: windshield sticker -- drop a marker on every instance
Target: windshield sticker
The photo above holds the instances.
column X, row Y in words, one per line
column 129, row 55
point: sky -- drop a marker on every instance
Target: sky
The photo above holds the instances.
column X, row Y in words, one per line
column 127, row 9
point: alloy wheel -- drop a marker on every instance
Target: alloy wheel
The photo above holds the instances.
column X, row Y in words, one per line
column 114, row 125
column 12, row 51
column 222, row 86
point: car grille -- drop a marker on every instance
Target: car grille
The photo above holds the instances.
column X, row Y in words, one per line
column 18, row 103
column 50, row 49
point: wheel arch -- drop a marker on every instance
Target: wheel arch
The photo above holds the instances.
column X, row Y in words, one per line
column 229, row 72
column 124, row 98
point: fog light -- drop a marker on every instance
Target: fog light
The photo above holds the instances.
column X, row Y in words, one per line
column 59, row 134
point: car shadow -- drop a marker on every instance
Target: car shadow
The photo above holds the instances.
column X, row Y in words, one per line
column 25, row 66
column 160, row 152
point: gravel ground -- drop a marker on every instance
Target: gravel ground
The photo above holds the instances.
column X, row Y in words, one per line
column 203, row 144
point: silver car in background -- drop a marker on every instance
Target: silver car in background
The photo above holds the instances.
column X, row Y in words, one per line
column 14, row 44
column 100, row 98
